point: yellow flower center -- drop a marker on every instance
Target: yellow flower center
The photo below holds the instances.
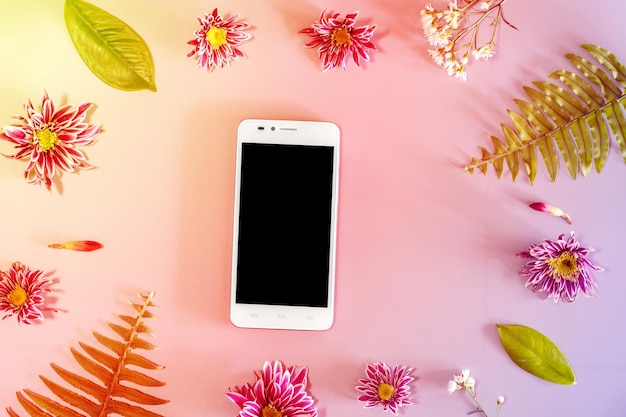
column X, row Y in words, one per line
column 565, row 266
column 341, row 37
column 46, row 139
column 385, row 391
column 18, row 296
column 270, row 411
column 216, row 37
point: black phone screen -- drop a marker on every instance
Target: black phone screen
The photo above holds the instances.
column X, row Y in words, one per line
column 285, row 209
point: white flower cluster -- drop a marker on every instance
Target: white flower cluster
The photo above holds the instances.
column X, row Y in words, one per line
column 463, row 381
column 446, row 30
column 466, row 382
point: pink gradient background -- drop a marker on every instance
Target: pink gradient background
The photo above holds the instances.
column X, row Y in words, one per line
column 426, row 260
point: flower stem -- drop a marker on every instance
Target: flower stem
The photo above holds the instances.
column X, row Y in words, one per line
column 474, row 26
column 479, row 407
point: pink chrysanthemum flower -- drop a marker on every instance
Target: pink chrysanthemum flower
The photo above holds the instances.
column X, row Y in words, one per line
column 22, row 293
column 50, row 139
column 337, row 39
column 277, row 392
column 559, row 268
column 386, row 387
column 217, row 40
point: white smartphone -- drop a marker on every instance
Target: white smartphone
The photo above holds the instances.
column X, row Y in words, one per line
column 285, row 222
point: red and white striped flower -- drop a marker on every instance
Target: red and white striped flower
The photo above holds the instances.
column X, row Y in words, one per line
column 338, row 39
column 217, row 41
column 386, row 387
column 277, row 392
column 50, row 139
column 22, row 293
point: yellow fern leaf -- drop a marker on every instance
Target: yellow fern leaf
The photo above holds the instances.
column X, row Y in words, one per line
column 577, row 118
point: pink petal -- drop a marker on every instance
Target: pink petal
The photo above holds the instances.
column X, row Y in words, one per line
column 550, row 209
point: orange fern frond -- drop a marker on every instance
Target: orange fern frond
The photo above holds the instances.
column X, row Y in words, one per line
column 111, row 387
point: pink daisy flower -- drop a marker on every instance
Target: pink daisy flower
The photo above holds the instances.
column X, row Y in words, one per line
column 50, row 139
column 386, row 387
column 22, row 293
column 217, row 40
column 337, row 39
column 559, row 268
column 277, row 392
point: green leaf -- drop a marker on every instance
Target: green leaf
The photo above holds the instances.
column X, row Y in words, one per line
column 110, row 48
column 536, row 354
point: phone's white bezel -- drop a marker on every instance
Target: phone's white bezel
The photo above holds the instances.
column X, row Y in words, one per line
column 288, row 132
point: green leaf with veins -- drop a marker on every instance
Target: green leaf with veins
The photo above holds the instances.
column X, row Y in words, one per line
column 110, row 48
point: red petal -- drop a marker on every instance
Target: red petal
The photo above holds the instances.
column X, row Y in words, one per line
column 78, row 245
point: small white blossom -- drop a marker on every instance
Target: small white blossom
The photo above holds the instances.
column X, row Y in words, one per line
column 462, row 378
column 451, row 67
column 437, row 56
column 439, row 38
column 453, row 18
column 484, row 52
column 456, row 70
column 427, row 24
column 453, row 386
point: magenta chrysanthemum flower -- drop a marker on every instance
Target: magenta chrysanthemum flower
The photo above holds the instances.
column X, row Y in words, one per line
column 337, row 39
column 217, row 40
column 277, row 392
column 386, row 387
column 22, row 293
column 50, row 139
column 559, row 268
